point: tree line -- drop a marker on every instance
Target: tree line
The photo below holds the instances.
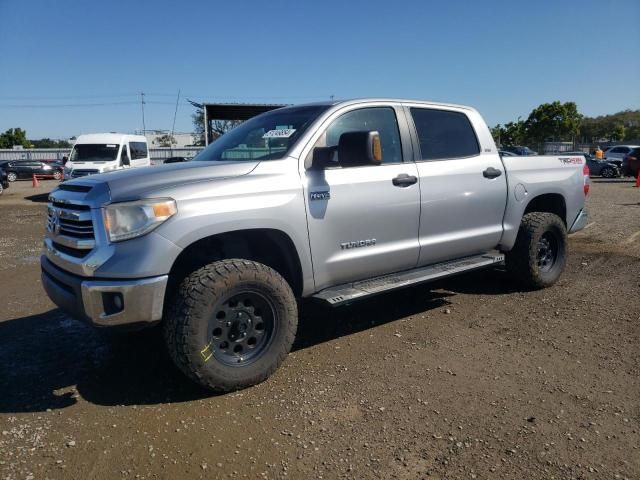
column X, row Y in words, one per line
column 14, row 137
column 561, row 122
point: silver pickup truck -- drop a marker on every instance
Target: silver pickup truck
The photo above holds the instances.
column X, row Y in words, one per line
column 337, row 201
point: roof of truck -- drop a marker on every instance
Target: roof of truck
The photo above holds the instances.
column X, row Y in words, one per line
column 382, row 99
column 109, row 138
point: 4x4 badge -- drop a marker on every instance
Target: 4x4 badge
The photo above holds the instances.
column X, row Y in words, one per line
column 320, row 195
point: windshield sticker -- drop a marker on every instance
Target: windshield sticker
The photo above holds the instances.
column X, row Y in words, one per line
column 111, row 146
column 279, row 133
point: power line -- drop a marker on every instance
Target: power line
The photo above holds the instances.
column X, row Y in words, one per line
column 66, row 105
column 64, row 97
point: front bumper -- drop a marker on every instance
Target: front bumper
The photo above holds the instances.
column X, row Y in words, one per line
column 105, row 303
column 580, row 222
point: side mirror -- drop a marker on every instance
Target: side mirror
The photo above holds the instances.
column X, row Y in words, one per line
column 324, row 157
column 359, row 149
column 353, row 149
column 125, row 159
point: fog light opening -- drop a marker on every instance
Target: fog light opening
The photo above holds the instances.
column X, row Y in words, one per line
column 112, row 302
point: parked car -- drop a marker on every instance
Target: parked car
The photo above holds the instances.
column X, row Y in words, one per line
column 335, row 201
column 520, row 151
column 4, row 183
column 504, row 153
column 617, row 153
column 597, row 167
column 17, row 169
column 631, row 163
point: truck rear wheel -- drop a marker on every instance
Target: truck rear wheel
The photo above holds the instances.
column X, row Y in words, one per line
column 232, row 324
column 540, row 253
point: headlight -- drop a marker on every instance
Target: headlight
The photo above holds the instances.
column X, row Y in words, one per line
column 46, row 167
column 132, row 219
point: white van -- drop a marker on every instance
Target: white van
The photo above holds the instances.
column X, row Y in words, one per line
column 104, row 152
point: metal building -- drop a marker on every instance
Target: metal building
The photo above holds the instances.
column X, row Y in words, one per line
column 230, row 111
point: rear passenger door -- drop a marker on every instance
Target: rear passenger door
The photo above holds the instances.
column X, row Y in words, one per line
column 463, row 188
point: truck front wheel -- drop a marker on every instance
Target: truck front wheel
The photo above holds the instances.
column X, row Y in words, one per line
column 232, row 324
column 540, row 253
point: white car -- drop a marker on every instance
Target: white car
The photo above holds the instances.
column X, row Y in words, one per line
column 618, row 152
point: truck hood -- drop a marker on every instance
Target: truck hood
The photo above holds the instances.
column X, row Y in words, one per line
column 136, row 183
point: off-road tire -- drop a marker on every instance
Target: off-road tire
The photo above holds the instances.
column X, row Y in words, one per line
column 523, row 262
column 190, row 322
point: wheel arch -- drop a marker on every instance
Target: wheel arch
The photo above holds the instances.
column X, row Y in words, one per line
column 270, row 247
column 545, row 201
column 550, row 203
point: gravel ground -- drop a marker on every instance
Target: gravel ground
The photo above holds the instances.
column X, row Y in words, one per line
column 468, row 378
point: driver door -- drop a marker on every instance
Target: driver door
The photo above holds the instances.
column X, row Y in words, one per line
column 363, row 220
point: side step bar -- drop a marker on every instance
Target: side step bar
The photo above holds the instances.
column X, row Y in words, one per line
column 348, row 292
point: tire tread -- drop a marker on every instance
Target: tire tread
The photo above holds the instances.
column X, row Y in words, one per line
column 194, row 291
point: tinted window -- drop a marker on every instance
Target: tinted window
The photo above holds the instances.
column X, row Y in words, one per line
column 138, row 150
column 444, row 134
column 94, row 152
column 380, row 119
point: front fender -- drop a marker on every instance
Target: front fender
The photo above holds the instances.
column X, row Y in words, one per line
column 271, row 197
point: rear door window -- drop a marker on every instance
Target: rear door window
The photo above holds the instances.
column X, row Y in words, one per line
column 138, row 150
column 444, row 134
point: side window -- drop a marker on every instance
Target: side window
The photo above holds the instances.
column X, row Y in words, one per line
column 138, row 150
column 444, row 134
column 381, row 119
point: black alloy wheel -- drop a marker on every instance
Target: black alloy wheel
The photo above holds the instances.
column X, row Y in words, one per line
column 242, row 328
column 547, row 251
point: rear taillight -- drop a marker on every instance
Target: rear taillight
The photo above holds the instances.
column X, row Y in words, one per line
column 586, row 179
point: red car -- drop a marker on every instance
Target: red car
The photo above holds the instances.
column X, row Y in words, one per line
column 631, row 163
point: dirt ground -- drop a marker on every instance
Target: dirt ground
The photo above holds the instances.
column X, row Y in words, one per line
column 468, row 378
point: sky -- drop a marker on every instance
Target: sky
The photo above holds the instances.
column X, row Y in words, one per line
column 71, row 67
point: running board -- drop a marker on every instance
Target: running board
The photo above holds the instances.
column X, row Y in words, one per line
column 348, row 292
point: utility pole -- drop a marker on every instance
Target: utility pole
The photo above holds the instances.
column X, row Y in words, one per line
column 173, row 127
column 142, row 102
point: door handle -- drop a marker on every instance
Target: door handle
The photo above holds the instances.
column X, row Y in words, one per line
column 404, row 180
column 491, row 173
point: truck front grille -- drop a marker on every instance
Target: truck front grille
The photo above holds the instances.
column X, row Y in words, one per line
column 71, row 229
column 83, row 172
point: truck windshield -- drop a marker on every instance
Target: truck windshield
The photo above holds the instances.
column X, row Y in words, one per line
column 94, row 152
column 268, row 136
